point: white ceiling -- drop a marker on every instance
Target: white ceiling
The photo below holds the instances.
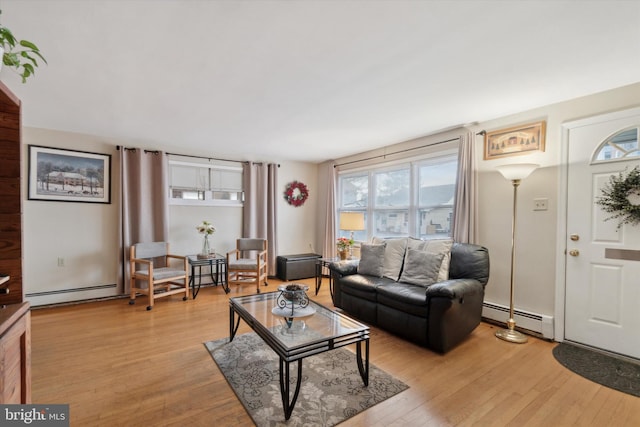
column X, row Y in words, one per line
column 309, row 80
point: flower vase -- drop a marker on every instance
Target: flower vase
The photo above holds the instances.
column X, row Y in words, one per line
column 343, row 253
column 206, row 249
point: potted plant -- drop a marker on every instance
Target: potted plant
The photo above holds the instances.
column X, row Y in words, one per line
column 344, row 244
column 21, row 55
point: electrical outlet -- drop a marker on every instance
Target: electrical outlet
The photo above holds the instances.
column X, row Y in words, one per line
column 60, row 262
column 540, row 204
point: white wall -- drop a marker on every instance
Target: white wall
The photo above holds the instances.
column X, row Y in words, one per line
column 297, row 225
column 86, row 235
column 536, row 254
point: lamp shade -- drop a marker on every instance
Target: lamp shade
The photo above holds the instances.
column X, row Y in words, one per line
column 352, row 221
column 517, row 170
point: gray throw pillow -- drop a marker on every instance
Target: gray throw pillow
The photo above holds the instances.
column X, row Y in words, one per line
column 435, row 246
column 421, row 268
column 371, row 259
column 393, row 256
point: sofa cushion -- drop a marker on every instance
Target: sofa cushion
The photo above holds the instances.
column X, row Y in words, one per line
column 435, row 246
column 404, row 297
column 393, row 256
column 362, row 286
column 371, row 259
column 421, row 268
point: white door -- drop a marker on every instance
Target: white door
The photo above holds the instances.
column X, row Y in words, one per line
column 602, row 293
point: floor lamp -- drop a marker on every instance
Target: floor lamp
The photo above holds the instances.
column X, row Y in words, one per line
column 351, row 221
column 515, row 173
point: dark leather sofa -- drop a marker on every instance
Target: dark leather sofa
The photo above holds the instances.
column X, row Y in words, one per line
column 439, row 316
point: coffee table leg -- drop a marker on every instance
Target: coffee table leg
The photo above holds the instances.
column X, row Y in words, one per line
column 318, row 276
column 233, row 328
column 363, row 367
column 284, row 387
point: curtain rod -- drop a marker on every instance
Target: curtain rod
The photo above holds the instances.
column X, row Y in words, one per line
column 203, row 157
column 397, row 152
column 214, row 158
column 195, row 157
column 134, row 149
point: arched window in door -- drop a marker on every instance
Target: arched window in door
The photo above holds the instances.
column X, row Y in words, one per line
column 619, row 146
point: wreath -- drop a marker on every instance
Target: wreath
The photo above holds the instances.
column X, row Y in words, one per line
column 621, row 197
column 296, row 193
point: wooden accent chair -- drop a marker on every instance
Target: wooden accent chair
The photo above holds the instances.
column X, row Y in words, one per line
column 160, row 281
column 248, row 263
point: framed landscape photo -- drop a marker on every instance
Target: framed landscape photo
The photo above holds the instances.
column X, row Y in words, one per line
column 516, row 140
column 57, row 174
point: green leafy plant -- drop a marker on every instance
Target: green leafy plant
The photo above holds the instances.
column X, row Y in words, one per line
column 620, row 197
column 20, row 55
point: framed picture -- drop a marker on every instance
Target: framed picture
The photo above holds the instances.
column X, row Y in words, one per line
column 60, row 175
column 516, row 140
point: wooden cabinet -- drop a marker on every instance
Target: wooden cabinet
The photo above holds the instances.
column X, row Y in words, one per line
column 15, row 354
column 10, row 196
column 15, row 317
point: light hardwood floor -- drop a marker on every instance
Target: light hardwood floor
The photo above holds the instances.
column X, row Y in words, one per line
column 120, row 365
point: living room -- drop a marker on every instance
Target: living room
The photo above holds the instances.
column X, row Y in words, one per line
column 70, row 250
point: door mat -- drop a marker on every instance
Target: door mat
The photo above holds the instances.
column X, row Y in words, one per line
column 604, row 369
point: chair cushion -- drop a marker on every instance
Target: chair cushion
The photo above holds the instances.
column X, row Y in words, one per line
column 243, row 264
column 161, row 273
column 150, row 250
column 250, row 244
column 371, row 259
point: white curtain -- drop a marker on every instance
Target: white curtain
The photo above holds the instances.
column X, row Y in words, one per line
column 260, row 207
column 465, row 206
column 144, row 201
column 329, row 245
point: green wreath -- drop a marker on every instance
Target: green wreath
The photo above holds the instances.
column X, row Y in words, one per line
column 621, row 197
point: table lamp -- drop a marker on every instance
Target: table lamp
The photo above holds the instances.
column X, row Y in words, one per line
column 351, row 221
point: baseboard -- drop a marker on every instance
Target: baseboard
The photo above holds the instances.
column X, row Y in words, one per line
column 537, row 323
column 71, row 294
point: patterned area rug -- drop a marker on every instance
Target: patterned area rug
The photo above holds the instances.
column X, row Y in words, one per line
column 601, row 368
column 331, row 391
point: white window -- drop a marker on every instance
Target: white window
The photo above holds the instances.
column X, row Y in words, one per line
column 192, row 183
column 409, row 199
column 436, row 192
column 620, row 146
column 392, row 201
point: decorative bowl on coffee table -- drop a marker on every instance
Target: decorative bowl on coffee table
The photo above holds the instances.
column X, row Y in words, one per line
column 292, row 303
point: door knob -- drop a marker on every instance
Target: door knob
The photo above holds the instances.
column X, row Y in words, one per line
column 574, row 237
column 574, row 252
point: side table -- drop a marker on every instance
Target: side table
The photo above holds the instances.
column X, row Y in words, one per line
column 218, row 270
column 321, row 263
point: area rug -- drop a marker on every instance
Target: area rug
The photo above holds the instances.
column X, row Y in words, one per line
column 331, row 391
column 601, row 368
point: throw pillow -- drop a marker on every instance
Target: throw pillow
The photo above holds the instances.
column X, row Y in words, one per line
column 393, row 256
column 371, row 259
column 421, row 268
column 435, row 246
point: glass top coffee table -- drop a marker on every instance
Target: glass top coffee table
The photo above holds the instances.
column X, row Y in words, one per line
column 312, row 329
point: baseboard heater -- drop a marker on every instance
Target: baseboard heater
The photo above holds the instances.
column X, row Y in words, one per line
column 537, row 323
column 71, row 294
